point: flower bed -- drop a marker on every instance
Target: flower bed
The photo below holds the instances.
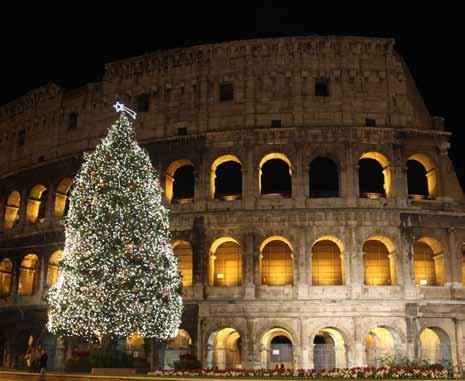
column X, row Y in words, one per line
column 343, row 373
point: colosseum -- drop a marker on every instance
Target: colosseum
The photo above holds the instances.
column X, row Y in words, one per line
column 315, row 213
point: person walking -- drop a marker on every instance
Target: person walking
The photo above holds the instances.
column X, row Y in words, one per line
column 43, row 362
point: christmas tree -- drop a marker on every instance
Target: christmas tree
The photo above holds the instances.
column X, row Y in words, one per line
column 118, row 274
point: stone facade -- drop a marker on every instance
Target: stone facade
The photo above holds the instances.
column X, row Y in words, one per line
column 371, row 110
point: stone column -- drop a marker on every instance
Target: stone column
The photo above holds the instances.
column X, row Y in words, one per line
column 441, row 179
column 23, row 207
column 300, row 263
column 248, row 266
column 358, row 352
column 60, row 354
column 351, row 175
column 249, row 180
column 42, row 276
column 298, row 191
column 357, row 272
column 455, row 260
column 50, row 207
column 15, row 279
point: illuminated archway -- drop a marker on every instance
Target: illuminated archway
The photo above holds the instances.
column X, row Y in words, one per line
column 379, row 262
column 277, row 348
column 275, row 175
column 52, row 270
column 135, row 345
column 276, row 262
column 428, row 262
column 177, row 347
column 27, row 275
column 374, row 175
column 225, row 264
column 179, row 186
column 62, row 197
column 183, row 251
column 327, row 262
column 323, row 178
column 6, row 268
column 224, row 349
column 329, row 349
column 12, row 210
column 226, row 178
column 435, row 346
column 36, row 204
column 430, row 173
column 382, row 343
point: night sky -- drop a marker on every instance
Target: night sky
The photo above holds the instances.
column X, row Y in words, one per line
column 68, row 42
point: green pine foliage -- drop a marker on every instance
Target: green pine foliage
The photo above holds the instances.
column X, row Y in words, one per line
column 118, row 274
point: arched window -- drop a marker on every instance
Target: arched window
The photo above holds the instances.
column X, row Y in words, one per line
column 379, row 266
column 12, row 210
column 225, row 263
column 326, row 264
column 374, row 175
column 62, row 197
column 275, row 175
column 177, row 347
column 183, row 251
column 277, row 349
column 428, row 263
column 435, row 346
column 27, row 273
column 224, row 349
column 277, row 264
column 180, row 182
column 52, row 271
column 6, row 267
column 323, row 178
column 226, row 178
column 380, row 343
column 36, row 204
column 421, row 177
column 135, row 345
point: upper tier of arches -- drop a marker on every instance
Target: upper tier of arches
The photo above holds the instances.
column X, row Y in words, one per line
column 275, row 177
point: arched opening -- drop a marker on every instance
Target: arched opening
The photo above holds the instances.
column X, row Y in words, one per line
column 12, row 210
column 62, row 197
column 6, row 268
column 276, row 262
column 380, row 262
column 417, row 182
column 224, row 349
column 27, row 275
column 327, row 264
column 323, row 178
column 52, row 270
column 183, row 252
column 180, row 181
column 277, row 349
column 428, row 262
column 226, row 178
column 275, row 175
column 421, row 176
column 374, row 175
column 177, row 348
column 435, row 347
column 36, row 204
column 381, row 344
column 329, row 349
column 225, row 263
column 135, row 346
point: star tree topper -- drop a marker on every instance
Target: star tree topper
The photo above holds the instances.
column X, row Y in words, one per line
column 120, row 107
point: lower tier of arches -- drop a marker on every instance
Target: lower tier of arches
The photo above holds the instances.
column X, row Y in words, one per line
column 272, row 335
